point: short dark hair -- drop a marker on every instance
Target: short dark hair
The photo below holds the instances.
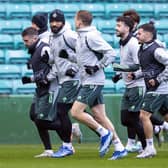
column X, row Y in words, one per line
column 133, row 15
column 29, row 31
column 149, row 27
column 85, row 16
column 127, row 21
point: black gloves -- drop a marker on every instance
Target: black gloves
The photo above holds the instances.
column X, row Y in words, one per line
column 45, row 57
column 151, row 87
column 26, row 79
column 63, row 54
column 116, row 78
column 70, row 72
column 41, row 78
column 91, row 69
column 156, row 82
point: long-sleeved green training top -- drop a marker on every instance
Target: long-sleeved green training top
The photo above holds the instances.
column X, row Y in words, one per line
column 87, row 57
column 129, row 56
column 57, row 43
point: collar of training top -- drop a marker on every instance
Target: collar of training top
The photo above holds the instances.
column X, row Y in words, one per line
column 124, row 42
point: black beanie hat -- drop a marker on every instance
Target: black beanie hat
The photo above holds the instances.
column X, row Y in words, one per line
column 57, row 15
column 41, row 20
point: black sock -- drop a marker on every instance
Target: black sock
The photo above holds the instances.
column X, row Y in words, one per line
column 45, row 138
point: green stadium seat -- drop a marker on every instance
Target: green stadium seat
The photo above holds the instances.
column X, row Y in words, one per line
column 106, row 26
column 8, row 71
column 160, row 37
column 108, row 38
column 71, row 22
column 44, row 7
column 117, row 59
column 10, row 26
column 165, row 38
column 2, row 57
column 6, row 86
column 69, row 9
column 144, row 9
column 109, row 87
column 116, row 41
column 109, row 71
column 6, row 41
column 115, row 9
column 3, row 11
column 145, row 20
column 25, row 23
column 17, row 56
column 18, row 10
column 161, row 10
column 120, row 86
column 19, row 88
column 18, row 42
column 25, row 71
column 161, row 26
column 97, row 9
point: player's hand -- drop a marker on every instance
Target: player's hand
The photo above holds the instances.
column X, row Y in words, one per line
column 26, row 79
column 131, row 76
column 45, row 57
column 153, row 82
column 91, row 69
column 70, row 72
column 116, row 78
column 63, row 54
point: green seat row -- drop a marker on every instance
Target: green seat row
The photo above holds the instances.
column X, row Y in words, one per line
column 99, row 9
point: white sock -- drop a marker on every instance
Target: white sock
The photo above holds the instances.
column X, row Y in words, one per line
column 165, row 125
column 130, row 142
column 149, row 142
column 49, row 150
column 118, row 146
column 102, row 131
column 157, row 128
column 69, row 145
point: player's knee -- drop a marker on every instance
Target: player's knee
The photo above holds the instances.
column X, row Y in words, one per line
column 74, row 112
column 144, row 116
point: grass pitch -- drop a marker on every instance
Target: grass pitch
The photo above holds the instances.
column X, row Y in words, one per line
column 86, row 156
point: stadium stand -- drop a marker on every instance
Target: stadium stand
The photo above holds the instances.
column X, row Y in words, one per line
column 3, row 11
column 17, row 56
column 120, row 87
column 9, row 71
column 109, row 87
column 2, row 57
column 97, row 9
column 18, row 42
column 46, row 7
column 6, row 86
column 165, row 38
column 15, row 11
column 6, row 41
column 161, row 10
column 69, row 9
column 10, row 26
column 108, row 38
column 106, row 26
column 15, row 15
column 161, row 26
column 19, row 88
column 109, row 71
column 25, row 71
